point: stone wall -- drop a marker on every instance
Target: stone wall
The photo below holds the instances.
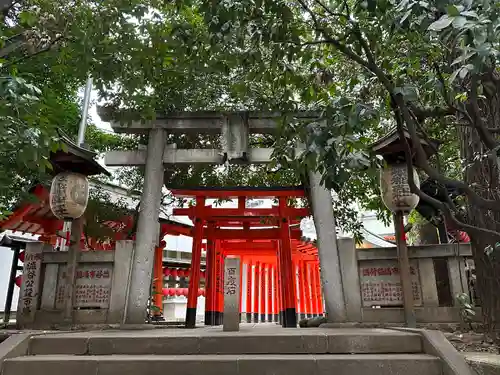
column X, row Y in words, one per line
column 372, row 292
column 99, row 289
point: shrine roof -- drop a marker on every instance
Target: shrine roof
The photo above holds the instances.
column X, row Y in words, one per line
column 238, row 191
column 11, row 240
column 37, row 218
column 75, row 158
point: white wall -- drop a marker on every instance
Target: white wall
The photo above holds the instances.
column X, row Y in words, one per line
column 5, row 264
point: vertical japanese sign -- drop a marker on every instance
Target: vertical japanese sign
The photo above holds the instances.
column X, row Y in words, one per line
column 30, row 288
column 231, row 294
column 381, row 283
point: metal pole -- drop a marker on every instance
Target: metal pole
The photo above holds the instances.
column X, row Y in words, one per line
column 404, row 270
column 10, row 288
column 73, row 255
column 85, row 111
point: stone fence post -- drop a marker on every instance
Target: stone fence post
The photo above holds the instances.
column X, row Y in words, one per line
column 350, row 278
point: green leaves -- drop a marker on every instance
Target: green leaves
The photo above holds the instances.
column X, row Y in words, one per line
column 441, row 23
column 409, row 93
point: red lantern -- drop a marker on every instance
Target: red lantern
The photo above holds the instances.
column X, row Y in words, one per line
column 21, row 256
column 166, row 271
column 181, row 273
column 202, row 274
column 174, row 272
column 163, row 244
column 184, row 292
column 203, row 292
column 19, row 280
column 178, row 292
column 165, row 291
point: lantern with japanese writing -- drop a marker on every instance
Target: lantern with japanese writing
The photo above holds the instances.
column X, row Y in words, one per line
column 395, row 188
column 69, row 195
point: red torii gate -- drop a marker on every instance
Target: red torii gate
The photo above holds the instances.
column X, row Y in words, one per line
column 256, row 237
column 279, row 267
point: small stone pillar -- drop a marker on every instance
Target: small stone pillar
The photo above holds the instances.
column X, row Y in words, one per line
column 231, row 294
column 30, row 286
column 350, row 278
column 428, row 282
column 458, row 278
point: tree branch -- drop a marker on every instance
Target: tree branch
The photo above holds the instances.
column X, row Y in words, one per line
column 421, row 156
column 479, row 123
column 445, row 208
column 29, row 56
column 422, row 113
column 330, row 12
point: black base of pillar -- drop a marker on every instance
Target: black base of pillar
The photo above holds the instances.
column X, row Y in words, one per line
column 290, row 318
column 255, row 317
column 218, row 318
column 270, row 317
column 262, row 318
column 209, row 318
column 191, row 317
column 281, row 319
column 276, row 318
column 249, row 317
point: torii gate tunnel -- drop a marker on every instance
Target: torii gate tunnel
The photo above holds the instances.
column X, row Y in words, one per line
column 281, row 273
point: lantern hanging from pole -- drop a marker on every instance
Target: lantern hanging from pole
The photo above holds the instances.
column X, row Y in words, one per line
column 395, row 188
column 69, row 195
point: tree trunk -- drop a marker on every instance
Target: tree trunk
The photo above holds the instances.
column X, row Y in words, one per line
column 483, row 175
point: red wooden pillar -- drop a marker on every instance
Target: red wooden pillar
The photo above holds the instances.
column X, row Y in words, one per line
column 319, row 299
column 194, row 280
column 314, row 290
column 210, row 277
column 302, row 290
column 269, row 278
column 263, row 294
column 219, row 284
column 280, row 284
column 276, row 299
column 308, row 290
column 256, row 287
column 158, row 280
column 249, row 292
column 296, row 284
column 242, row 291
column 289, row 298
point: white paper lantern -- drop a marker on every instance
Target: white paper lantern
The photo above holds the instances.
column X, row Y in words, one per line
column 69, row 195
column 395, row 188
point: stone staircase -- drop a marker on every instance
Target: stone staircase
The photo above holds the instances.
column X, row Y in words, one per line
column 209, row 351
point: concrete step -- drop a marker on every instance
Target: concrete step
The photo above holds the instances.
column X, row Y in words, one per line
column 326, row 364
column 182, row 342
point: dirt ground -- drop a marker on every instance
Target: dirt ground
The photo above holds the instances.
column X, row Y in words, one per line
column 472, row 342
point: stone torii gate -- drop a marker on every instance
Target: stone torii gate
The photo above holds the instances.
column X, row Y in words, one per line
column 234, row 128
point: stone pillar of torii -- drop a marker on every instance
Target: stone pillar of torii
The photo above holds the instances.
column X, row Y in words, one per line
column 234, row 128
